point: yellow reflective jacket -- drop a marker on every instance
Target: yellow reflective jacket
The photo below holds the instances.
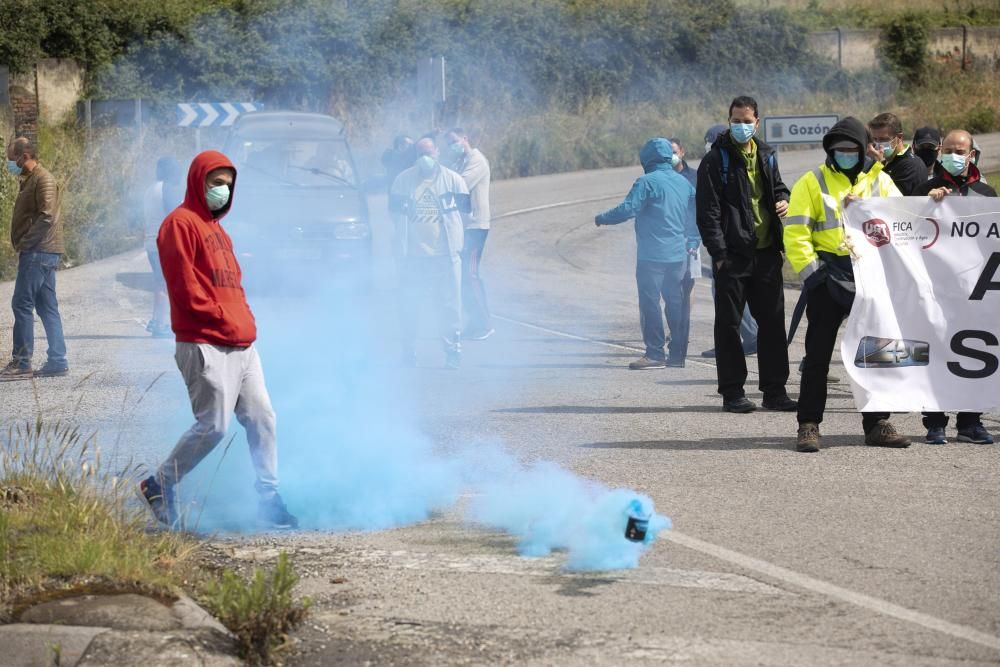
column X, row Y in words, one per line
column 813, row 221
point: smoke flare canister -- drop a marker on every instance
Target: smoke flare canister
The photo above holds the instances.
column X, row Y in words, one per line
column 637, row 524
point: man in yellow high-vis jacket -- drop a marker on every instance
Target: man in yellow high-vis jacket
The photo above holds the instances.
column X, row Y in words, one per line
column 814, row 245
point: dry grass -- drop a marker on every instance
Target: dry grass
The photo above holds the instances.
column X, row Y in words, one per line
column 887, row 6
column 66, row 524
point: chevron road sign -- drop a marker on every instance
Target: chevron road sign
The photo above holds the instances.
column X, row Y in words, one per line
column 212, row 114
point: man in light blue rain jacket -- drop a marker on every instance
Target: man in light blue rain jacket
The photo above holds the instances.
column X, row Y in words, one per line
column 663, row 205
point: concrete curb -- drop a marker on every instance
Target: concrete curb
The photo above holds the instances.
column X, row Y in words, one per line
column 181, row 631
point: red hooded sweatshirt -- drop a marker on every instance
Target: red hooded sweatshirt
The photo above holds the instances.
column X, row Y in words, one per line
column 207, row 301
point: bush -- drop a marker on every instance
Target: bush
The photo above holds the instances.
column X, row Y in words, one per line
column 981, row 118
column 260, row 612
column 904, row 47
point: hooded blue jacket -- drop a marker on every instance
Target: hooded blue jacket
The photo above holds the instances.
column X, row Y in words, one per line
column 663, row 205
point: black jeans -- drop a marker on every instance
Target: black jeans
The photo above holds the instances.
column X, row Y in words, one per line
column 755, row 281
column 963, row 420
column 671, row 281
column 824, row 315
column 477, row 308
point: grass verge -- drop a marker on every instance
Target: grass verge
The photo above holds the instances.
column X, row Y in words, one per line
column 65, row 526
column 68, row 527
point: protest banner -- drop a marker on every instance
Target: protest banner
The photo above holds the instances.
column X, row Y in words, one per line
column 923, row 332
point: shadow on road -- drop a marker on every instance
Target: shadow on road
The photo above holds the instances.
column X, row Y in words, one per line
column 605, row 366
column 137, row 281
column 107, row 337
column 727, row 444
column 580, row 586
column 610, row 410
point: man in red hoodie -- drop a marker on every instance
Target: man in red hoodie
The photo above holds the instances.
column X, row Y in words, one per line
column 215, row 331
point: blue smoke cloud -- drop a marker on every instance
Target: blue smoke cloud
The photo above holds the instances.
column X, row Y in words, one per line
column 550, row 509
column 351, row 456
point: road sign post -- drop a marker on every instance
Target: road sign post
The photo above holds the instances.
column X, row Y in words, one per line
column 431, row 84
column 807, row 129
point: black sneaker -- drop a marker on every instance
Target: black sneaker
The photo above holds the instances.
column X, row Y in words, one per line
column 677, row 362
column 976, row 434
column 15, row 371
column 272, row 513
column 741, row 405
column 936, row 436
column 780, row 404
column 161, row 504
column 49, row 370
column 709, row 354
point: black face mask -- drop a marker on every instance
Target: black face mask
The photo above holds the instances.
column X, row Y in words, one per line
column 928, row 155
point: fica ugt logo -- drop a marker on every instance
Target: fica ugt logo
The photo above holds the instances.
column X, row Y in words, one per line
column 877, row 232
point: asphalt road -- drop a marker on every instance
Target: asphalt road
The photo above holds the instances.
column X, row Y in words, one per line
column 850, row 556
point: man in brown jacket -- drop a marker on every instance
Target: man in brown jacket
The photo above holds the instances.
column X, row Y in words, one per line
column 36, row 234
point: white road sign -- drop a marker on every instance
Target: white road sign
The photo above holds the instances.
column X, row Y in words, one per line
column 797, row 129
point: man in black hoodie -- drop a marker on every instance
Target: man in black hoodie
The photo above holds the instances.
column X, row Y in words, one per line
column 740, row 202
column 814, row 242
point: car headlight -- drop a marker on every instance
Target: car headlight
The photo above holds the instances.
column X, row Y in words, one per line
column 351, row 231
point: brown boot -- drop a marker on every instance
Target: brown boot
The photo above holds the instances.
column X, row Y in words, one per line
column 808, row 438
column 884, row 434
column 15, row 371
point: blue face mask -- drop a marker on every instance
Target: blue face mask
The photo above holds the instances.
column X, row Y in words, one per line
column 426, row 163
column 13, row 168
column 953, row 164
column 217, row 197
column 457, row 148
column 741, row 132
column 674, row 160
column 887, row 150
column 845, row 161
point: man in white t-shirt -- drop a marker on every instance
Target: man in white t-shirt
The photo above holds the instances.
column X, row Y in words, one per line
column 427, row 202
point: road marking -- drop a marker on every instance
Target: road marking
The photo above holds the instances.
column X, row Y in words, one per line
column 545, row 207
column 869, row 602
column 585, row 339
column 548, row 566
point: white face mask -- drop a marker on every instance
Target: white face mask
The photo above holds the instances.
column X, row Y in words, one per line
column 217, row 197
column 426, row 163
column 953, row 164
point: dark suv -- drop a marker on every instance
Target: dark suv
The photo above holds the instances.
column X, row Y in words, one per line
column 300, row 212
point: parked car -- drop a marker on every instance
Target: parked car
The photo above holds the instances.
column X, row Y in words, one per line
column 300, row 213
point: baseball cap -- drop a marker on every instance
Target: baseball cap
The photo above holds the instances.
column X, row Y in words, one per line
column 713, row 133
column 926, row 135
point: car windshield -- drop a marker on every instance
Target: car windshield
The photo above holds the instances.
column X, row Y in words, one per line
column 300, row 162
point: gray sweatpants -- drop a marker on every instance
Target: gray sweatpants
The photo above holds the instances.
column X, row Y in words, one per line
column 222, row 380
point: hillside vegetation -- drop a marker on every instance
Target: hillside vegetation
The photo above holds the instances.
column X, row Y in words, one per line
column 548, row 85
